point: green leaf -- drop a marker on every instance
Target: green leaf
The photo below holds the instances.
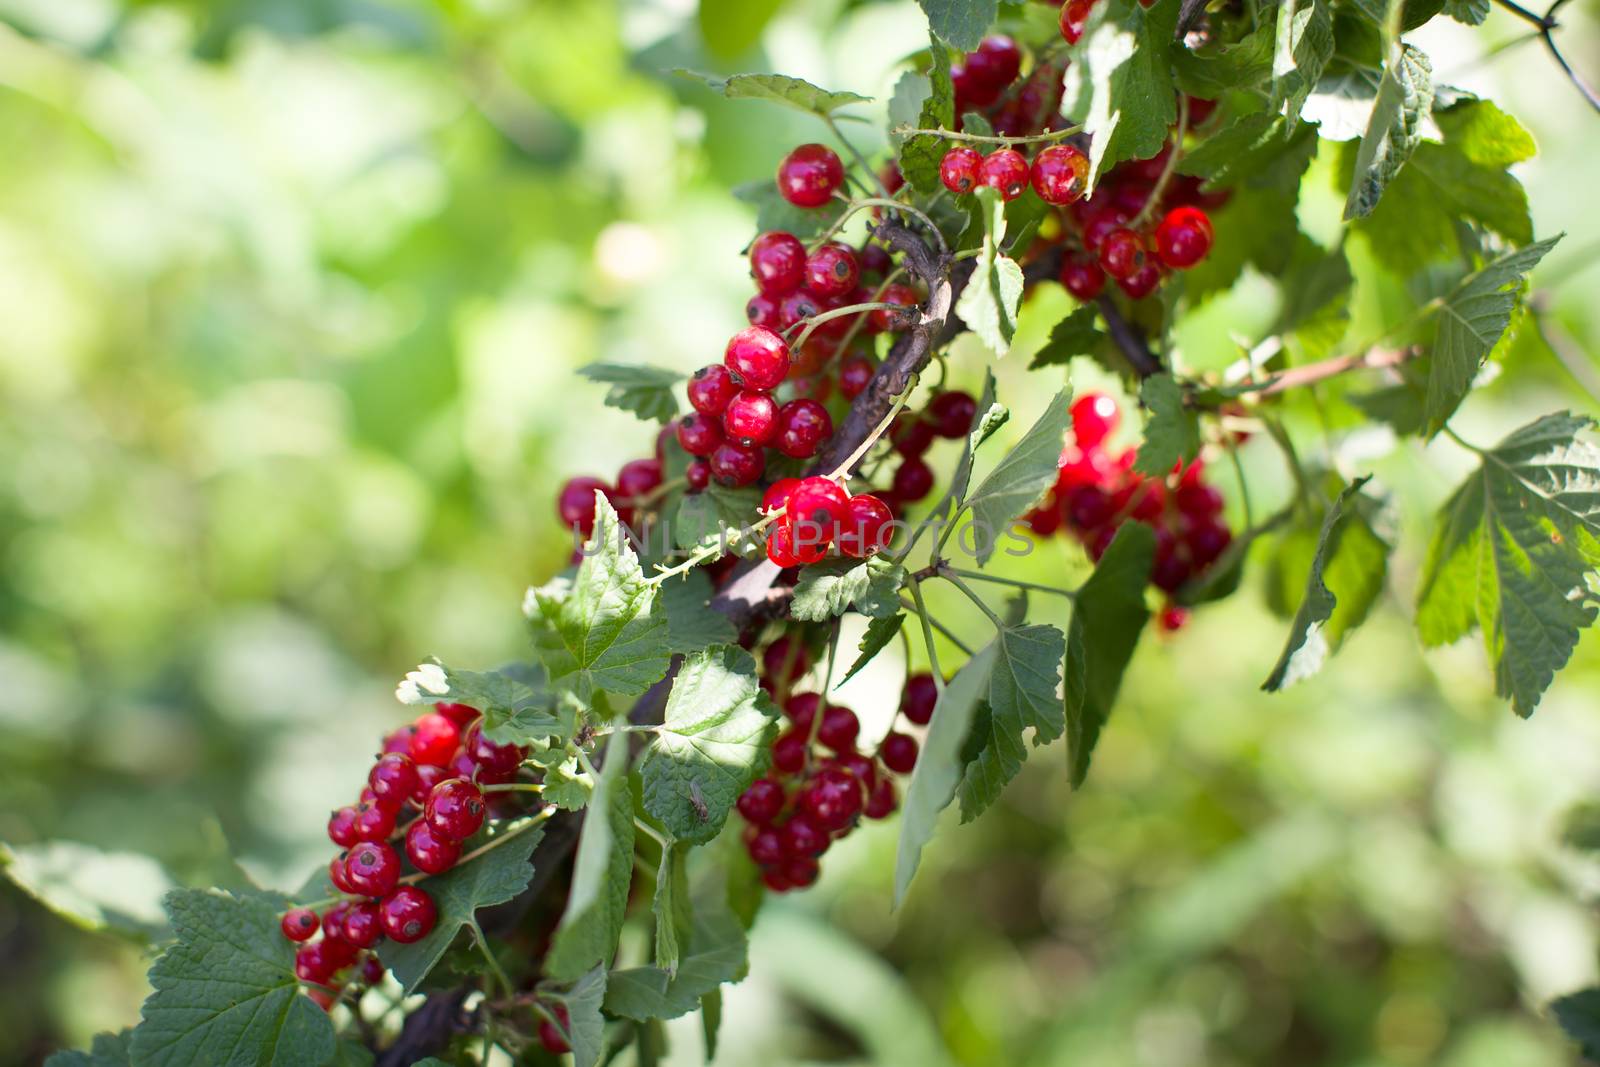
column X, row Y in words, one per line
column 1471, row 12
column 1511, row 553
column 1470, row 322
column 1581, row 828
column 108, row 1050
column 1075, row 335
column 1221, row 67
column 1316, row 292
column 1405, row 97
column 716, row 515
column 645, row 391
column 730, row 28
column 1303, row 46
column 225, row 993
column 1126, row 61
column 601, row 634
column 832, row 587
column 1021, row 478
column 778, row 88
column 586, row 1029
column 691, row 625
column 493, row 878
column 960, row 23
column 711, row 1021
column 989, row 302
column 674, row 917
column 1579, row 1015
column 1346, row 541
column 714, row 740
column 1022, row 696
column 716, row 954
column 351, row 1053
column 939, row 766
column 566, row 786
column 1172, row 433
column 601, row 873
column 990, row 417
column 773, row 212
column 513, row 710
column 1108, row 615
column 880, row 631
column 112, row 892
column 921, row 155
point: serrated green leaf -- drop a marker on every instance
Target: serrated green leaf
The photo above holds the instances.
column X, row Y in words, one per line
column 1108, row 615
column 1405, row 96
column 674, row 917
column 990, row 417
column 716, row 515
column 939, row 765
column 586, row 1026
column 1303, row 46
column 112, row 892
column 691, row 625
column 714, row 740
column 779, row 89
column 601, row 873
column 1172, row 432
column 773, row 212
column 514, row 711
column 1470, row 323
column 1222, row 67
column 108, row 1050
column 1075, row 335
column 1022, row 696
column 646, row 391
column 1020, row 478
column 1127, row 65
column 225, row 993
column 920, row 155
column 601, row 634
column 1471, row 12
column 730, row 28
column 1341, row 104
column 960, row 23
column 880, row 631
column 493, row 878
column 716, row 954
column 1514, row 545
column 566, row 786
column 1347, row 541
column 1316, row 292
column 351, row 1053
column 910, row 95
column 1579, row 1015
column 989, row 302
column 870, row 587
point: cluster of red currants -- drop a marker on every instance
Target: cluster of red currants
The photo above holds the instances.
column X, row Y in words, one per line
column 821, row 784
column 983, row 82
column 949, row 415
column 819, row 512
column 1096, row 492
column 1059, row 173
column 423, row 790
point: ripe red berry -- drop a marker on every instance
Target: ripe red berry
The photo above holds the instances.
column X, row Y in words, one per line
column 362, row 927
column 1004, row 169
column 808, row 176
column 1074, row 17
column 1184, row 237
column 1173, row 618
column 638, row 478
column 860, row 767
column 802, row 836
column 797, row 307
column 777, row 495
column 1206, row 539
column 298, row 924
column 802, row 426
column 911, row 435
column 1082, row 277
column 342, row 827
column 575, row 503
column 428, row 776
column 913, row 480
column 951, row 414
column 700, row 435
column 881, row 799
column 463, row 715
column 800, row 871
column 867, row 526
column 996, row 63
column 751, row 419
column 428, row 851
column 762, row 801
column 801, row 708
column 785, row 550
column 373, row 868
column 855, row 374
column 1196, row 499
column 832, row 799
column 919, row 699
column 1169, row 572
column 434, row 740
column 337, row 874
column 960, row 168
column 764, row 310
column 551, row 1035
column 1122, row 253
column 789, row 751
column 455, row 809
column 899, row 753
column 839, row 729
column 818, row 507
column 393, row 778
column 1143, row 282
column 766, row 846
column 777, row 263
column 408, row 914
column 311, row 964
column 374, row 822
column 758, row 356
column 372, row 969
column 832, row 270
column 735, row 465
column 1059, row 174
column 711, row 388
column 1095, row 417
column 885, row 319
column 697, row 475
column 785, row 659
column 874, row 258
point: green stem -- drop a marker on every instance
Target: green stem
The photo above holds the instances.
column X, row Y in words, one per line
column 1018, row 583
column 927, row 636
column 972, row 595
column 861, row 161
column 512, row 787
column 494, row 964
column 813, row 321
column 1468, row 445
column 978, row 138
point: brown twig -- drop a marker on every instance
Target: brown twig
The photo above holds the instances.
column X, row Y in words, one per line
column 1129, row 339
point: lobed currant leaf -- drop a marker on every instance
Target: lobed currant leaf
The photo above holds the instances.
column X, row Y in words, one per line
column 1512, row 552
column 1341, row 103
column 716, row 953
column 879, row 633
column 1302, row 48
column 717, row 516
column 1075, row 335
column 690, row 623
column 1470, row 12
column 1221, row 67
column 870, row 587
column 112, row 892
column 601, row 874
column 1405, row 96
column 646, row 391
column 920, row 155
column 714, row 740
column 108, row 1050
column 1020, row 478
column 1108, row 615
column 1172, row 433
column 778, row 88
column 773, row 212
column 960, row 23
column 1021, row 697
column 1125, row 64
column 1316, row 290
column 516, row 708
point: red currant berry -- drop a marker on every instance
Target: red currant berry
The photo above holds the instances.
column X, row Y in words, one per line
column 429, row 852
column 435, row 740
column 797, row 307
column 463, row 715
column 1173, row 618
column 408, row 914
column 785, row 660
column 911, row 435
column 867, row 528
column 700, row 435
column 859, row 767
column 1082, row 277
column 298, row 924
column 832, row 271
column 697, row 475
column 951, row 414
column 711, row 388
column 777, row 263
column 809, row 175
column 800, row 871
column 997, row 62
column 1197, row 499
column 735, row 465
column 801, row 708
column 374, row 822
column 1100, row 222
column 906, row 300
column 839, row 729
column 881, row 800
column 1207, row 539
column 362, row 927
column 553, row 1037
column 855, row 374
column 337, row 874
column 764, row 310
column 496, row 759
column 832, row 799
column 372, row 970
column 311, row 964
column 1143, row 282
column 398, row 741
column 1122, row 253
column 1095, row 417
column 342, row 827
column 1004, row 169
column 1170, row 572
column 373, row 868
column 802, row 426
column 913, row 480
column 759, row 357
column 874, row 258
column 455, row 809
column 1074, row 17
column 960, row 168
column 575, row 503
column 899, row 753
column 1059, row 174
column 428, row 776
column 818, row 507
column 766, row 846
column 803, row 837
column 762, row 801
column 1184, row 237
column 785, row 551
column 919, row 699
column 777, row 495
column 789, row 751
column 392, row 778
column 773, row 879
column 751, row 419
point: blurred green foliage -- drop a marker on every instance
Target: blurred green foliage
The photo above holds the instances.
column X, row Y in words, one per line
column 292, row 294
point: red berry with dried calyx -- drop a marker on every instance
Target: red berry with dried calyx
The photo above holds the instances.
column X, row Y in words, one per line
column 832, row 799
column 802, row 427
column 809, row 175
column 700, row 435
column 832, row 270
column 342, row 827
column 298, row 924
column 374, row 822
column 735, row 465
column 762, row 801
column 362, row 927
column 818, row 507
column 455, row 809
column 1059, row 174
column 408, row 914
column 1142, row 283
column 575, row 503
column 785, row 550
column 428, row 851
column 867, row 527
column 1006, row 171
column 961, row 169
column 711, row 388
column 393, row 778
column 899, row 753
column 1082, row 277
column 751, row 418
column 759, row 358
column 1122, row 253
column 373, row 868
column 919, row 699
